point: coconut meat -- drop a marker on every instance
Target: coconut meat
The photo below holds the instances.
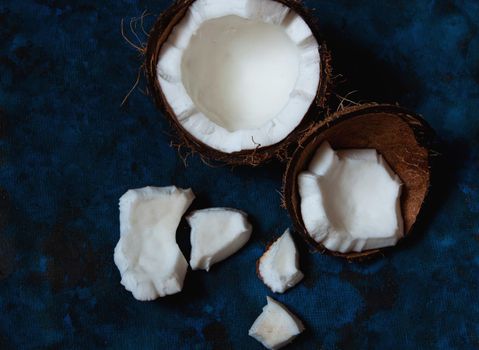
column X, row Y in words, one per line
column 279, row 265
column 149, row 259
column 276, row 326
column 216, row 234
column 240, row 73
column 350, row 200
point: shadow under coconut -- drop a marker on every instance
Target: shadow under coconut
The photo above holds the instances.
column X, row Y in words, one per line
column 194, row 291
column 362, row 77
column 271, row 170
column 306, row 261
column 451, row 159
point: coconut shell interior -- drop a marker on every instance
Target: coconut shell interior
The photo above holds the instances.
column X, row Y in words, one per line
column 158, row 36
column 402, row 138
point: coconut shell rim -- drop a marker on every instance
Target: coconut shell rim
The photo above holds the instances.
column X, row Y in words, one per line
column 423, row 134
column 157, row 37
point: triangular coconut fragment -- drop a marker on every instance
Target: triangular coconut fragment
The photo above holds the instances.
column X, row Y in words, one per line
column 216, row 233
column 278, row 268
column 276, row 326
column 149, row 259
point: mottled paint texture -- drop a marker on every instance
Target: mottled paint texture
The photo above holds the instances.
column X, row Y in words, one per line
column 68, row 152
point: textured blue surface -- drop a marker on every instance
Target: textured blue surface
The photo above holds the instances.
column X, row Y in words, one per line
column 68, row 152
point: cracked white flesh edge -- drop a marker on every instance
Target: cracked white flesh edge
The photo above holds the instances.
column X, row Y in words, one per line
column 350, row 200
column 279, row 265
column 147, row 255
column 205, row 129
column 276, row 326
column 216, row 234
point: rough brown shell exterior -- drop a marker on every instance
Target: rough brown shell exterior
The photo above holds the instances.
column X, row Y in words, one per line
column 404, row 139
column 160, row 33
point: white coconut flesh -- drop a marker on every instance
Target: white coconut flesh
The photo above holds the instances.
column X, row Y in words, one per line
column 216, row 234
column 239, row 74
column 350, row 200
column 279, row 265
column 276, row 326
column 149, row 259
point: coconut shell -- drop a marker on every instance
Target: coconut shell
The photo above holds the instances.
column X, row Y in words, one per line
column 404, row 139
column 160, row 33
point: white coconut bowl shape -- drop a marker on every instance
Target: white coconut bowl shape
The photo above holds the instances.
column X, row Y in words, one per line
column 236, row 78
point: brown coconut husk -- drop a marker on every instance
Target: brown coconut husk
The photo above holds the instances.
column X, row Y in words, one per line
column 405, row 141
column 160, row 33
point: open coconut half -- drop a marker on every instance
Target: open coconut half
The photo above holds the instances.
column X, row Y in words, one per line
column 403, row 142
column 239, row 80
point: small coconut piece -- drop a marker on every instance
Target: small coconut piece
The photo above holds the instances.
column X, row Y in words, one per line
column 276, row 326
column 406, row 144
column 238, row 79
column 216, row 234
column 278, row 268
column 149, row 259
column 350, row 200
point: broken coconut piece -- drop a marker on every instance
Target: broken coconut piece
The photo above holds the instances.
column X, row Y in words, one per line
column 149, row 259
column 350, row 200
column 276, row 326
column 403, row 138
column 216, row 234
column 278, row 268
column 237, row 75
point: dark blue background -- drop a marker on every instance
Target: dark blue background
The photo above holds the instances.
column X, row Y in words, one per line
column 68, row 152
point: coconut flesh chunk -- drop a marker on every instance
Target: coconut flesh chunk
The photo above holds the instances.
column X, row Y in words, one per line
column 350, row 200
column 239, row 73
column 279, row 265
column 216, row 234
column 276, row 326
column 149, row 259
